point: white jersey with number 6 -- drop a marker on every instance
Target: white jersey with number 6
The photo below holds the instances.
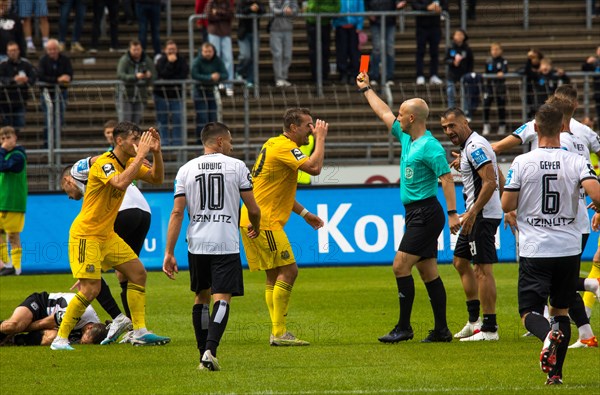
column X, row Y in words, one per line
column 548, row 181
column 211, row 185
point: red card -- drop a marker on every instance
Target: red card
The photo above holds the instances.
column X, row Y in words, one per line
column 364, row 64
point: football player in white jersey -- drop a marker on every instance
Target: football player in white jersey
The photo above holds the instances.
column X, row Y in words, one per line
column 544, row 187
column 41, row 313
column 210, row 187
column 476, row 241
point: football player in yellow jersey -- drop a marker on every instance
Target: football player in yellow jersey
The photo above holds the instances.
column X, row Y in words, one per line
column 93, row 244
column 275, row 176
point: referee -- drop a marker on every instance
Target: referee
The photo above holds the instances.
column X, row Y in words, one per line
column 423, row 161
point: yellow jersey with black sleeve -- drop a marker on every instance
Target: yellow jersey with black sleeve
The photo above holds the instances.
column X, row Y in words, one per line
column 275, row 178
column 101, row 201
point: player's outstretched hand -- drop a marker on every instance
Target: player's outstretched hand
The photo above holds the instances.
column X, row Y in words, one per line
column 156, row 140
column 362, row 80
column 144, row 145
column 455, row 164
column 170, row 266
column 253, row 232
column 313, row 221
column 320, row 128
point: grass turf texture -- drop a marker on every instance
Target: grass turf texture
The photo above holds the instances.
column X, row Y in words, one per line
column 341, row 311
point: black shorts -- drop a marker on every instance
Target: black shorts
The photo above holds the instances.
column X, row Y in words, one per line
column 132, row 226
column 221, row 273
column 37, row 303
column 479, row 245
column 425, row 221
column 541, row 279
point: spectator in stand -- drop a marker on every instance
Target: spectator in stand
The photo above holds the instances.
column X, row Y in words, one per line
column 80, row 7
column 390, row 37
column 55, row 68
column 137, row 71
column 548, row 79
column 534, row 57
column 201, row 23
column 208, row 70
column 168, row 98
column 17, row 75
column 148, row 12
column 113, row 20
column 11, row 29
column 593, row 64
column 428, row 28
column 346, row 40
column 495, row 89
column 281, row 39
column 245, row 36
column 459, row 59
column 220, row 17
column 320, row 6
column 38, row 9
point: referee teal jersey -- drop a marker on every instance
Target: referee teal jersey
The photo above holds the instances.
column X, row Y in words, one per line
column 423, row 161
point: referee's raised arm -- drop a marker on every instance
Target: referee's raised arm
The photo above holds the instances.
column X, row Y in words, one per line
column 382, row 110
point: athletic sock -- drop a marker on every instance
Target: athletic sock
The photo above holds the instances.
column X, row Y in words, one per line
column 4, row 251
column 473, row 309
column 437, row 297
column 489, row 323
column 577, row 311
column 106, row 300
column 269, row 300
column 537, row 325
column 281, row 299
column 564, row 325
column 580, row 284
column 72, row 315
column 585, row 331
column 136, row 297
column 200, row 319
column 15, row 257
column 218, row 323
column 123, row 285
column 406, row 297
column 589, row 298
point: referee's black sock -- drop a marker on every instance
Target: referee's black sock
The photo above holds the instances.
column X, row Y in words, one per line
column 577, row 311
column 406, row 295
column 437, row 297
column 106, row 300
column 473, row 309
column 218, row 323
column 200, row 319
column 564, row 325
column 580, row 284
column 124, row 298
column 538, row 325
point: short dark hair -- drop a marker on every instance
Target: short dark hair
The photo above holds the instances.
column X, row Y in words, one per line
column 457, row 112
column 11, row 43
column 212, row 130
column 98, row 332
column 293, row 116
column 563, row 104
column 134, row 43
column 111, row 123
column 567, row 91
column 549, row 120
column 124, row 128
column 8, row 130
column 66, row 171
column 169, row 42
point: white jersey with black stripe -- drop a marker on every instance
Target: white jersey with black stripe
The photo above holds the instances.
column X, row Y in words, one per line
column 548, row 182
column 475, row 153
column 57, row 306
column 211, row 185
column 526, row 133
column 570, row 142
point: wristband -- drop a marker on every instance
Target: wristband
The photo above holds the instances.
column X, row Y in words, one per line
column 364, row 89
column 303, row 212
column 450, row 212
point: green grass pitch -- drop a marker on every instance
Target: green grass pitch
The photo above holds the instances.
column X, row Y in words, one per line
column 341, row 311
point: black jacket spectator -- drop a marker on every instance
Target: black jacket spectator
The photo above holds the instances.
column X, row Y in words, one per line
column 49, row 70
column 382, row 5
column 12, row 92
column 427, row 21
column 465, row 66
column 245, row 24
column 166, row 70
column 11, row 29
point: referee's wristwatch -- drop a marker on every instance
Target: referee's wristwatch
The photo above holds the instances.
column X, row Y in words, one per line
column 450, row 212
column 365, row 88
